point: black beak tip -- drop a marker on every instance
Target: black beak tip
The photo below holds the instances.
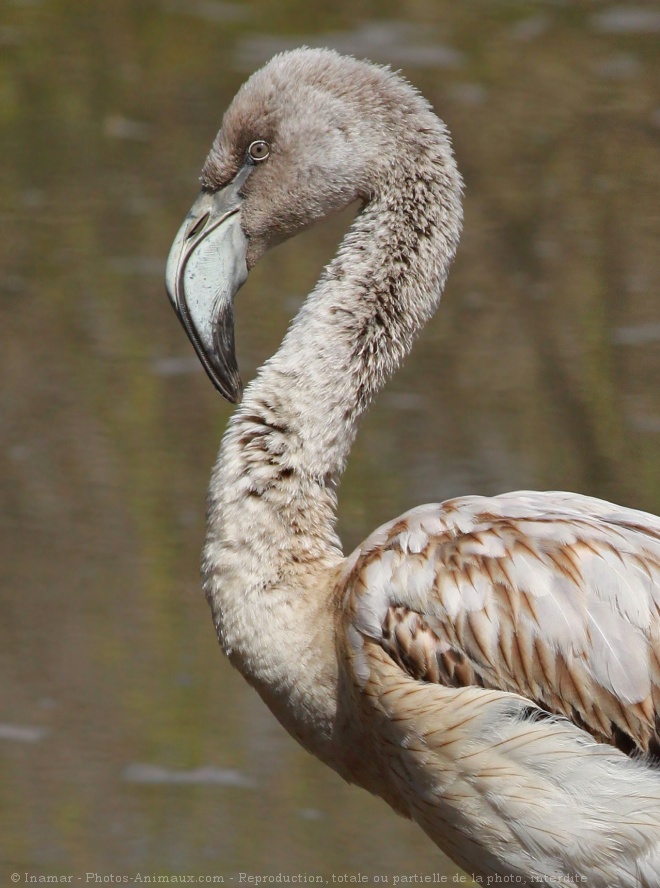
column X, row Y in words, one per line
column 234, row 397
column 229, row 385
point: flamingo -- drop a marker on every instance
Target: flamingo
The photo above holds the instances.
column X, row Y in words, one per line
column 489, row 666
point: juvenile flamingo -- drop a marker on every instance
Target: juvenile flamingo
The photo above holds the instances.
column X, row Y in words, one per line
column 488, row 666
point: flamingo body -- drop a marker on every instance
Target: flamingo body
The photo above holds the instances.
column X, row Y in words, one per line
column 488, row 666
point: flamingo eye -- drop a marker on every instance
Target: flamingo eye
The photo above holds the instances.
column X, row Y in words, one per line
column 258, row 151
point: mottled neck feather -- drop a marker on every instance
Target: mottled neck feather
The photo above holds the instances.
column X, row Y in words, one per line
column 273, row 491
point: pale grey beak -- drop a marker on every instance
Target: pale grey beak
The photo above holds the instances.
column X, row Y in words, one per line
column 205, row 269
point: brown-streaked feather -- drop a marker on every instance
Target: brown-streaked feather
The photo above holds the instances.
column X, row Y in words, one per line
column 552, row 596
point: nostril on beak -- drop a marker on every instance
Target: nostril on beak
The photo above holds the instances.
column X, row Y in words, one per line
column 197, row 226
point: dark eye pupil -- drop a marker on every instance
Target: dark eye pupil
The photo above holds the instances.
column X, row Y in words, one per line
column 258, row 150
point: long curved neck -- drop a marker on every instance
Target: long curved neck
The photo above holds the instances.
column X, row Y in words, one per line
column 272, row 501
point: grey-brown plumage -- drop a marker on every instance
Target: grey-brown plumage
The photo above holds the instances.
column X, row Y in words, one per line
column 484, row 665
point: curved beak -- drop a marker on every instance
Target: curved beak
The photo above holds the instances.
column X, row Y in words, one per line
column 205, row 269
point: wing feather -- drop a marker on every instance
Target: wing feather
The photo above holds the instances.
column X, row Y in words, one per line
column 553, row 596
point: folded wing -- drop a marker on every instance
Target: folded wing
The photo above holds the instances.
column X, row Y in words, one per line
column 552, row 596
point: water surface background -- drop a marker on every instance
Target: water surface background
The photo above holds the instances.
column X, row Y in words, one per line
column 127, row 744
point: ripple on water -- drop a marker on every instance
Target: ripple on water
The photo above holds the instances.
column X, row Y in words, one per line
column 626, row 20
column 636, row 334
column 206, row 776
column 22, row 733
column 394, row 43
